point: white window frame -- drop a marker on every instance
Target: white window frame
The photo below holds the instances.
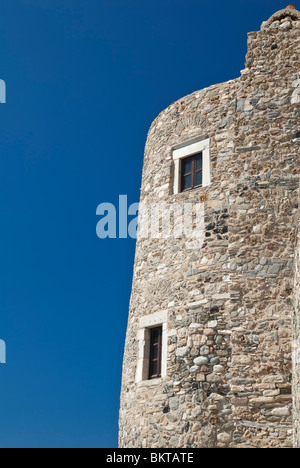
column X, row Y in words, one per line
column 145, row 324
column 189, row 150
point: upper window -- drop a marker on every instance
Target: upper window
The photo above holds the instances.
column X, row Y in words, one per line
column 192, row 166
column 191, row 172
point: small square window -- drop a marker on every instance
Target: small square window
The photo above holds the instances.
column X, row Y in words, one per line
column 191, row 172
column 191, row 166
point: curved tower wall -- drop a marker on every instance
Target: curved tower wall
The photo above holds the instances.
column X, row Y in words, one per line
column 296, row 348
column 226, row 304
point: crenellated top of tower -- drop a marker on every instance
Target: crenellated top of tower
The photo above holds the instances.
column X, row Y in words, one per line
column 290, row 12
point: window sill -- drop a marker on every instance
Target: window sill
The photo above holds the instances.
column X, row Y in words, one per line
column 150, row 383
column 197, row 190
column 191, row 189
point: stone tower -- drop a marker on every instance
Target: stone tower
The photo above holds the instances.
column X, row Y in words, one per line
column 212, row 354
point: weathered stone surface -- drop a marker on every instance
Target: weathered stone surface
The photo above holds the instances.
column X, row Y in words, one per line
column 174, row 403
column 204, row 351
column 224, row 438
column 182, row 352
column 233, row 303
column 281, row 412
column 240, row 401
column 200, row 361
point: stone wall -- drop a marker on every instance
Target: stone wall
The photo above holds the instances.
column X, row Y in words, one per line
column 230, row 301
column 296, row 348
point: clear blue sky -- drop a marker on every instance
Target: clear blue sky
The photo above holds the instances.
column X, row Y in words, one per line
column 85, row 79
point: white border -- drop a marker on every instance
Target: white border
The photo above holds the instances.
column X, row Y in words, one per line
column 189, row 150
column 145, row 324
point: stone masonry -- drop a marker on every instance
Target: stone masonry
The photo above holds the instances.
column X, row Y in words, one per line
column 232, row 306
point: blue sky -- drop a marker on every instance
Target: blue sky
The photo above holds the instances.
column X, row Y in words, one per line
column 85, row 79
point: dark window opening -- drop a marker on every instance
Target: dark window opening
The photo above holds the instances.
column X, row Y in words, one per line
column 192, row 172
column 155, row 352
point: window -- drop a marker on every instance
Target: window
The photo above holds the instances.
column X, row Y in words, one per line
column 191, row 166
column 152, row 338
column 191, row 172
column 155, row 353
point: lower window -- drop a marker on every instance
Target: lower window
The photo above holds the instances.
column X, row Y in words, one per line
column 155, row 353
column 152, row 338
